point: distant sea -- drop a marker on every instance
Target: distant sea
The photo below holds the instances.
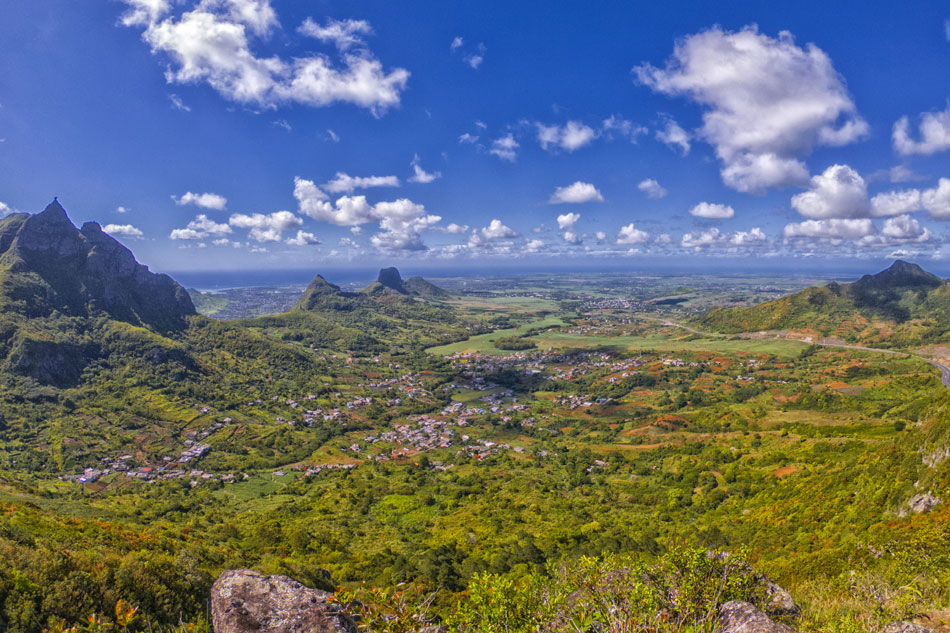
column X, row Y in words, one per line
column 224, row 279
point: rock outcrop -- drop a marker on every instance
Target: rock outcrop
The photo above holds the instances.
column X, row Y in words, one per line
column 244, row 601
column 743, row 617
column 920, row 503
column 906, row 627
column 47, row 265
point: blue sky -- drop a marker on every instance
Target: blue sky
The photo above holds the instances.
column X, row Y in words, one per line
column 253, row 134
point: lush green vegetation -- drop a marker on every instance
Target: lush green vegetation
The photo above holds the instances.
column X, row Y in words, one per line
column 388, row 438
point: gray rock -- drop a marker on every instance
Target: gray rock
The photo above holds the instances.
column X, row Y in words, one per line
column 742, row 617
column 778, row 600
column 922, row 503
column 244, row 601
column 906, row 627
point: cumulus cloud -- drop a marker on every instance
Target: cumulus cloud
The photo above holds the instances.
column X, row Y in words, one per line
column 937, row 200
column 839, row 192
column 933, row 130
column 469, row 139
column 905, row 228
column 834, row 228
column 496, row 230
column 302, row 239
column 116, row 229
column 200, row 228
column 712, row 211
column 344, row 183
column 210, row 44
column 456, row 43
column 576, row 193
column 534, row 246
column 454, row 228
column 504, row 148
column 631, row 235
column 421, row 176
column 652, row 189
column 895, row 203
column 672, row 135
column 118, row 209
column 567, row 221
column 767, row 102
column 751, row 237
column 203, row 200
column 700, row 239
column 568, row 137
column 266, row 227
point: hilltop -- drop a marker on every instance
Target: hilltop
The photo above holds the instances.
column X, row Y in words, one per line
column 902, row 305
column 47, row 264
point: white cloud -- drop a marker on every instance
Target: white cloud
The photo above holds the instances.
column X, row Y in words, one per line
column 121, row 209
column 344, row 34
column 178, row 104
column 344, row 183
column 497, row 231
column 143, row 12
column 652, row 189
column 474, row 61
column 839, row 192
column 569, row 137
column 203, row 200
column 199, row 228
column 210, row 44
column 567, row 221
column 700, row 239
column 504, row 148
column 767, row 102
column 534, row 246
column 621, row 127
column 470, row 139
column 631, row 235
column 747, row 238
column 118, row 229
column 266, row 227
column 303, row 239
column 895, row 203
column 834, row 228
column 712, row 211
column 933, row 130
column 905, row 228
column 937, row 200
column 672, row 135
column 333, row 136
column 456, row 228
column 421, row 176
column 456, row 43
column 282, row 124
column 576, row 193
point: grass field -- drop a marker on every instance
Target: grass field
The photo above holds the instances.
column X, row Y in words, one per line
column 484, row 343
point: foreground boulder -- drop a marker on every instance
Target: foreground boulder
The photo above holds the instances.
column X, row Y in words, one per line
column 906, row 627
column 244, row 601
column 743, row 617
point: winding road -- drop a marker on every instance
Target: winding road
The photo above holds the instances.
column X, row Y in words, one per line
column 944, row 369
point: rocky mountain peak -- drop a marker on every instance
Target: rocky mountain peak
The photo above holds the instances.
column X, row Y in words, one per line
column 390, row 278
column 52, row 265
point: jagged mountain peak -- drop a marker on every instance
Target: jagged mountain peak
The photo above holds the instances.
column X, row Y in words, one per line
column 52, row 265
column 391, row 278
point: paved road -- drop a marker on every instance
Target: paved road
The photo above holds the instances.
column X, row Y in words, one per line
column 944, row 370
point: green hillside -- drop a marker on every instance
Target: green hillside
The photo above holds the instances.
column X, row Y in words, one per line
column 901, row 306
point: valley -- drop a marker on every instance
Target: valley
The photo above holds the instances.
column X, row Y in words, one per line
column 449, row 431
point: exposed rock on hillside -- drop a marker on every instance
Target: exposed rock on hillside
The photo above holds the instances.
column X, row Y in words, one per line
column 244, row 601
column 47, row 264
column 906, row 627
column 743, row 617
column 920, row 503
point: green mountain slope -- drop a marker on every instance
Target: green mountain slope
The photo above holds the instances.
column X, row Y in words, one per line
column 902, row 305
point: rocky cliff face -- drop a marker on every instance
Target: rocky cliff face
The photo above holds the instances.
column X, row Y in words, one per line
column 47, row 264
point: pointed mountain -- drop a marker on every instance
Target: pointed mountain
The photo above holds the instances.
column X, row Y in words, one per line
column 47, row 265
column 318, row 293
column 901, row 274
